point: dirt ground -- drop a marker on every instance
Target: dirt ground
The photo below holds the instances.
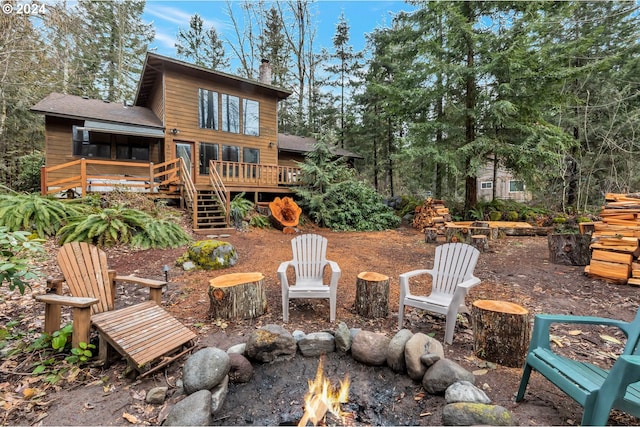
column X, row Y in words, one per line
column 514, row 269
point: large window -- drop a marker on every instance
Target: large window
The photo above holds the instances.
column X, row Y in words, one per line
column 230, row 113
column 90, row 144
column 250, row 155
column 230, row 153
column 515, row 186
column 208, row 109
column 251, row 117
column 132, row 149
column 207, row 152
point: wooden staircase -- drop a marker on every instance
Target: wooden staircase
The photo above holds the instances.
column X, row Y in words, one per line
column 210, row 213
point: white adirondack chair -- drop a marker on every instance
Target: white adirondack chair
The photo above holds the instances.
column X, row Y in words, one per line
column 309, row 261
column 452, row 277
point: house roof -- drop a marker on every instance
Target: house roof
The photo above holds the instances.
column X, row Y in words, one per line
column 81, row 108
column 154, row 65
column 302, row 144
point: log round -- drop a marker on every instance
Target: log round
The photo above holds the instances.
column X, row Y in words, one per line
column 480, row 242
column 569, row 249
column 284, row 212
column 501, row 332
column 237, row 296
column 372, row 295
column 430, row 235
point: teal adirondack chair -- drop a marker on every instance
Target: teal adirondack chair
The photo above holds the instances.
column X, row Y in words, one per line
column 597, row 390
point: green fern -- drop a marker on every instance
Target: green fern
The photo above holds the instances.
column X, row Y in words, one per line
column 36, row 214
column 160, row 234
column 108, row 227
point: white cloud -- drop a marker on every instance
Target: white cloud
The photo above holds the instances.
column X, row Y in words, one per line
column 177, row 16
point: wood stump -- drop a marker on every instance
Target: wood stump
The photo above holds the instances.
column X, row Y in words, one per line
column 372, row 295
column 569, row 249
column 480, row 242
column 237, row 296
column 430, row 235
column 501, row 332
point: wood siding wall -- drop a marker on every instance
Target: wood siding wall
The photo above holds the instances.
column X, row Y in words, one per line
column 181, row 112
column 59, row 150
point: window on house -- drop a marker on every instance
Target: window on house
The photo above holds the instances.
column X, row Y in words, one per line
column 515, row 186
column 250, row 155
column 486, row 185
column 230, row 153
column 251, row 117
column 208, row 109
column 207, row 152
column 230, row 113
column 133, row 149
column 90, row 144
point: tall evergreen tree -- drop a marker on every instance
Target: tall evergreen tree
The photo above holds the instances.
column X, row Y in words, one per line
column 201, row 46
column 344, row 65
column 112, row 47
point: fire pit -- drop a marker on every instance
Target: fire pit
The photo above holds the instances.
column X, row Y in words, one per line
column 377, row 395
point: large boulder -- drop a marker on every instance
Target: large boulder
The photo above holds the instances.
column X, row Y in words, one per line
column 370, row 348
column 205, row 369
column 271, row 343
column 211, row 254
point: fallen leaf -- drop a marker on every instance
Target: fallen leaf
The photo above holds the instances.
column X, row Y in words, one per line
column 28, row 393
column 575, row 332
column 88, row 405
column 480, row 372
column 131, row 418
column 610, row 339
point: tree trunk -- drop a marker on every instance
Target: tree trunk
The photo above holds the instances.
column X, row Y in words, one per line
column 569, row 249
column 237, row 296
column 501, row 332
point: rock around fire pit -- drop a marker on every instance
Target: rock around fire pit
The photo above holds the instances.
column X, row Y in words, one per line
column 212, row 376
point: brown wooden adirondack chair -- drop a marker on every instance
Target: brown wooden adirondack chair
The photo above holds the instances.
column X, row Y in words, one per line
column 145, row 334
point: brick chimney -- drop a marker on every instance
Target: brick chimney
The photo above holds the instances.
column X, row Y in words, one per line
column 265, row 72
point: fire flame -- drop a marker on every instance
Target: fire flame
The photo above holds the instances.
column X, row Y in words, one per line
column 322, row 398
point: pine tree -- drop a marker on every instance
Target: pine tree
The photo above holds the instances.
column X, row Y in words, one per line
column 202, row 47
column 112, row 47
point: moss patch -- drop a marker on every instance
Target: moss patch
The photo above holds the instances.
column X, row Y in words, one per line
column 212, row 254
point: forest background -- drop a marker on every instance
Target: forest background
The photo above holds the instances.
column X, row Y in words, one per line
column 548, row 90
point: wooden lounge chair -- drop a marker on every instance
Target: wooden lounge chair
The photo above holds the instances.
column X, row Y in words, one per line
column 452, row 277
column 309, row 261
column 145, row 334
column 597, row 390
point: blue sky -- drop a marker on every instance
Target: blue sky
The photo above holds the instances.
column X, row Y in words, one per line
column 363, row 16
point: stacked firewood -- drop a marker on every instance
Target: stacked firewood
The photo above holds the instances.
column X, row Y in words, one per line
column 615, row 246
column 431, row 214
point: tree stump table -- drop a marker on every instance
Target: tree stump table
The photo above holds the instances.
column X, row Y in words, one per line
column 237, row 296
column 372, row 295
column 501, row 332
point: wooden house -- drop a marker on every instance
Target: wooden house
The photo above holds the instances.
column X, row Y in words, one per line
column 502, row 183
column 193, row 134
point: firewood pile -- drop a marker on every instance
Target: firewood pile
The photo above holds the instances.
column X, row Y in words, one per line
column 431, row 214
column 615, row 247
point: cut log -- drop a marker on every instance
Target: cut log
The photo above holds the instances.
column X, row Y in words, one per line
column 501, row 332
column 430, row 235
column 284, row 213
column 480, row 242
column 613, row 271
column 569, row 249
column 612, row 256
column 237, row 296
column 372, row 295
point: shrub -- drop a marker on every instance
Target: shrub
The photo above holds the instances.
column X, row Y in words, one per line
column 16, row 252
column 36, row 213
column 113, row 226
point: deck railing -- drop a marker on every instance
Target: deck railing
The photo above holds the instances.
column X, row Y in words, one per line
column 85, row 175
column 261, row 175
column 89, row 175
